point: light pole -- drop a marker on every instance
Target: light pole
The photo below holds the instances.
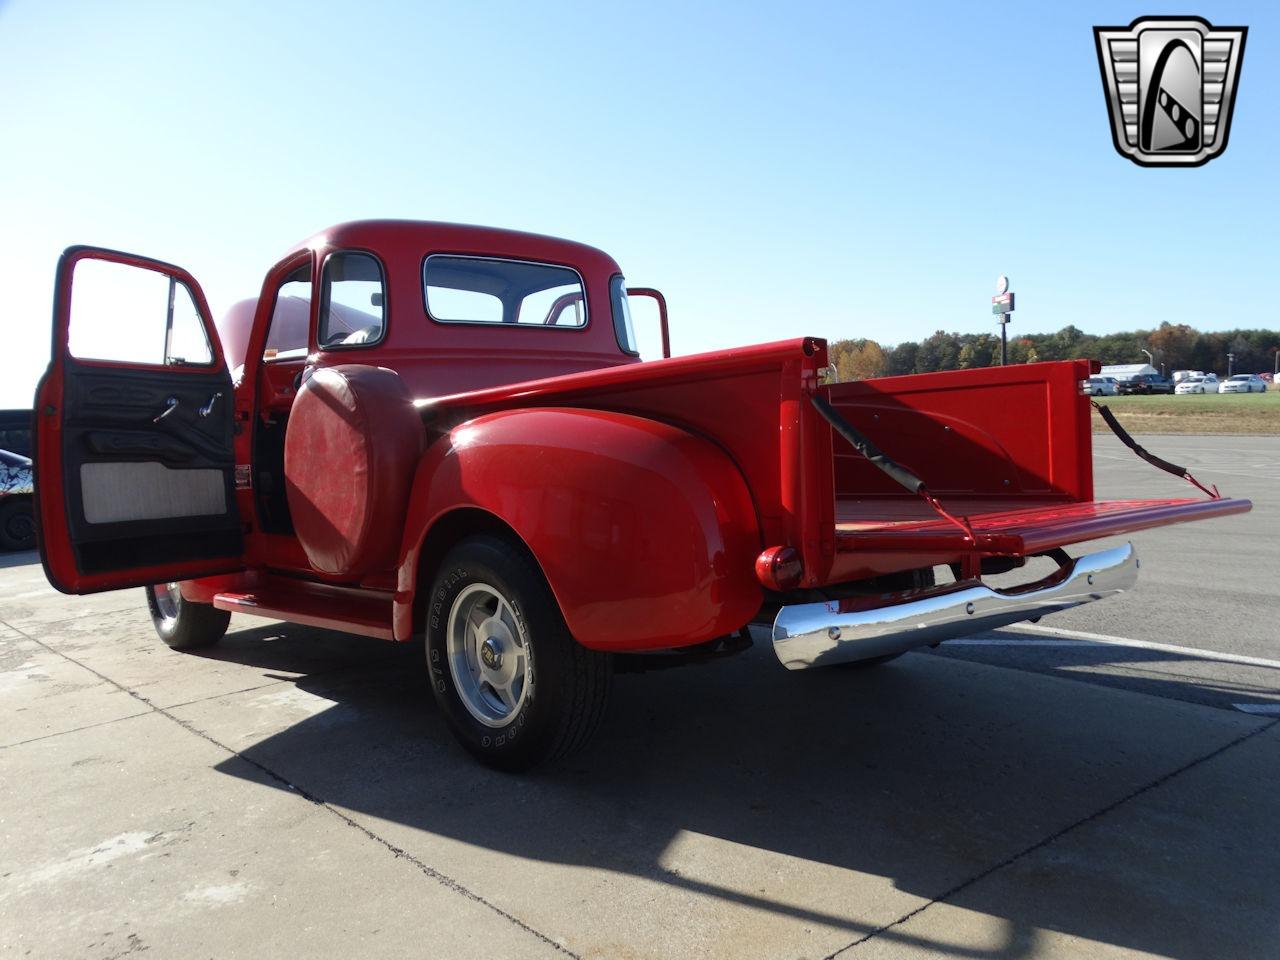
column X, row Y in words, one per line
column 1150, row 359
column 1231, row 364
column 1002, row 307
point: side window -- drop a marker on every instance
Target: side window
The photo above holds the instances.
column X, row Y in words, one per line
column 491, row 290
column 290, row 317
column 623, row 327
column 131, row 315
column 353, row 299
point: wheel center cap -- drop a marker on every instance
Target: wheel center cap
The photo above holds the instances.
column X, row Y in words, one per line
column 491, row 653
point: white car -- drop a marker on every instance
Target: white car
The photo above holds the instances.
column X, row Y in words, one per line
column 1243, row 383
column 1102, row 386
column 1205, row 384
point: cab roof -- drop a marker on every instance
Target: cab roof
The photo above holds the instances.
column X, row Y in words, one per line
column 427, row 236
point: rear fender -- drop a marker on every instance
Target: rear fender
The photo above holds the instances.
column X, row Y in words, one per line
column 646, row 534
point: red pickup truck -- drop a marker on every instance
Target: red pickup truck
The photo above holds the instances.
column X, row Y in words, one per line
column 443, row 434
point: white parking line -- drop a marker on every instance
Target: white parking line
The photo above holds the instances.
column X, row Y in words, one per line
column 994, row 642
column 1103, row 638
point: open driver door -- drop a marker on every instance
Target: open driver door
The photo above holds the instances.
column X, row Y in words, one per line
column 135, row 468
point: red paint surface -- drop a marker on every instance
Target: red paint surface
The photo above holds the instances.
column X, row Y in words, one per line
column 637, row 525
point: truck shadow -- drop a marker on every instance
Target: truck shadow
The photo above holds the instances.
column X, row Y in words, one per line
column 926, row 772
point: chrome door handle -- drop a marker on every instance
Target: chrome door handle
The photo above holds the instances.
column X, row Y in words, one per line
column 170, row 405
column 208, row 407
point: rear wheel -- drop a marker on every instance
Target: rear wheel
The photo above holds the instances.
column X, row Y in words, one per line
column 515, row 687
column 17, row 524
column 182, row 624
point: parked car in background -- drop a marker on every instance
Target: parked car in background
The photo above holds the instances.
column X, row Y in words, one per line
column 15, row 432
column 17, row 524
column 1243, row 383
column 1102, row 386
column 1205, row 384
column 1146, row 383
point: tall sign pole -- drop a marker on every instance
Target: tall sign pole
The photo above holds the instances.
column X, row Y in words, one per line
column 1002, row 307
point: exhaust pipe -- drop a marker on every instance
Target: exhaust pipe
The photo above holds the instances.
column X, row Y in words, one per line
column 844, row 631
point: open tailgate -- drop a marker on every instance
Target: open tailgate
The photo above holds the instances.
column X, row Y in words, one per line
column 1020, row 531
column 1006, row 452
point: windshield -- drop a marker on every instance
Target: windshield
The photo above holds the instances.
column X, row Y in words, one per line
column 1241, row 376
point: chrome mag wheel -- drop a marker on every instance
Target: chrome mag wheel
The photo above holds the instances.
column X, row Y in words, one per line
column 167, row 596
column 488, row 656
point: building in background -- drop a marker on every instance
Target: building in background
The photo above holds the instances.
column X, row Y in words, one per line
column 1126, row 371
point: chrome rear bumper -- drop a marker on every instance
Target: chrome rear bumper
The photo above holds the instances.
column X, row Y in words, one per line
column 819, row 634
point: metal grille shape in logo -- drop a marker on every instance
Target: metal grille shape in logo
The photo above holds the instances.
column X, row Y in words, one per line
column 1170, row 84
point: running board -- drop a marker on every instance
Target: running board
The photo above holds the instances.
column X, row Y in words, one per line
column 313, row 605
column 820, row 634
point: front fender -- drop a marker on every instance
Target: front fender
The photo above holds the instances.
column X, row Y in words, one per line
column 646, row 534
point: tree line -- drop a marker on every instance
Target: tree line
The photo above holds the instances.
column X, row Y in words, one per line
column 1173, row 347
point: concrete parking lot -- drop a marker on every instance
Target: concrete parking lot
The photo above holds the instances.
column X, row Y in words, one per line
column 1049, row 791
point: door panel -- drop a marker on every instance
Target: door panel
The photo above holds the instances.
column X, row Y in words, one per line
column 137, row 480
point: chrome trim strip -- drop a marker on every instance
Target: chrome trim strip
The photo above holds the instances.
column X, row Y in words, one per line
column 820, row 634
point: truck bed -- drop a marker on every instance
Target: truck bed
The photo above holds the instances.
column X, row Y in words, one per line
column 1008, row 448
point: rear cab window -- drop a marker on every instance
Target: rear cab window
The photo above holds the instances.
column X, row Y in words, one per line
column 491, row 290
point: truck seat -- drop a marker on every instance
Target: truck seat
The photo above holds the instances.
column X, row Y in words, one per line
column 350, row 451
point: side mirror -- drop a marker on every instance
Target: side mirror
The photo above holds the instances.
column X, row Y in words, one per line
column 658, row 298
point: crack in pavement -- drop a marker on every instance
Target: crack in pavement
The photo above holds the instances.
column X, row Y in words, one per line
column 63, row 733
column 1053, row 837
column 398, row 852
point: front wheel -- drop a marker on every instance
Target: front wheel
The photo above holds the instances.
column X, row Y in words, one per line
column 514, row 685
column 182, row 624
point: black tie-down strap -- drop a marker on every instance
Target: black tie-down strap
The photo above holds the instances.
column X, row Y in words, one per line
column 891, row 468
column 1146, row 455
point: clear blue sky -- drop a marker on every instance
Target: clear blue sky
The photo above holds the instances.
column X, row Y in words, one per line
column 836, row 170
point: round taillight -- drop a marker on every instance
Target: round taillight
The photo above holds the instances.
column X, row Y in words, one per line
column 779, row 568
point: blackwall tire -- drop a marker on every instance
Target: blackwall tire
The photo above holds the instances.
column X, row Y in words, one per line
column 17, row 524
column 181, row 624
column 514, row 686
